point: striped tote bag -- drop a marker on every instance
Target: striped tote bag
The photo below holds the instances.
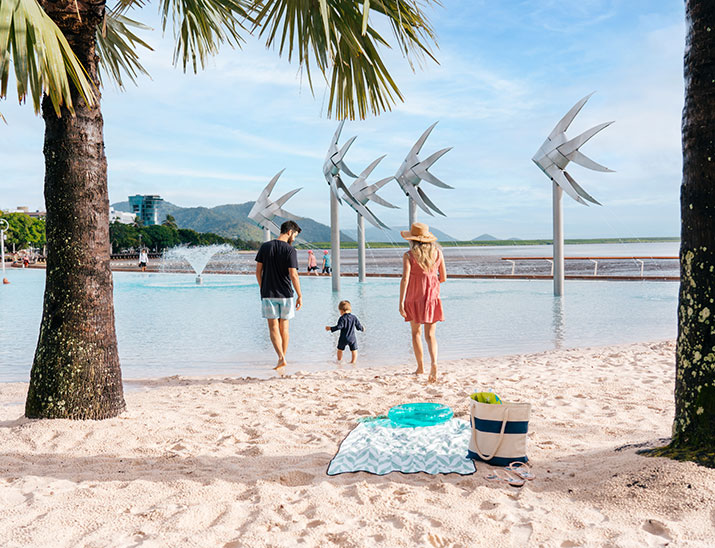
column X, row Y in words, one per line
column 499, row 432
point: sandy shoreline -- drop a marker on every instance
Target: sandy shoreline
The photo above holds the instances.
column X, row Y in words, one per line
column 241, row 462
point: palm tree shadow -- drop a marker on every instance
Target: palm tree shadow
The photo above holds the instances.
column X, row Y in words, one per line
column 293, row 471
column 290, row 471
column 14, row 423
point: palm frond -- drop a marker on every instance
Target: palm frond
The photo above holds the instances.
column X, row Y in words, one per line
column 42, row 59
column 117, row 48
column 122, row 6
column 409, row 25
column 201, row 26
column 348, row 52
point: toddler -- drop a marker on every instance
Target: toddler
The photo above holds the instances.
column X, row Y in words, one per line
column 347, row 324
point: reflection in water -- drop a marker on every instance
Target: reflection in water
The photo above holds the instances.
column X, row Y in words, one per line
column 361, row 291
column 557, row 322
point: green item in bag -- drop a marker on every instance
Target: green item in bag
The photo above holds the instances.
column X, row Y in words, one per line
column 486, row 397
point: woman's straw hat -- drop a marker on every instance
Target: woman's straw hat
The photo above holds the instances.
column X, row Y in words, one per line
column 419, row 232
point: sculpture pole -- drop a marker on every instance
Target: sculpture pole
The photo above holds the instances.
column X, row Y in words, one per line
column 361, row 247
column 412, row 209
column 266, row 235
column 335, row 240
column 552, row 158
column 558, row 241
column 4, row 225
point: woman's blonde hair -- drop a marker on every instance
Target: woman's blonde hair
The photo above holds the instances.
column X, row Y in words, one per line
column 424, row 253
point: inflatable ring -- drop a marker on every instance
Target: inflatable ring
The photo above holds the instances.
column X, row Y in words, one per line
column 419, row 414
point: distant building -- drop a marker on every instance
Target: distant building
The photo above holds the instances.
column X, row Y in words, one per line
column 146, row 208
column 121, row 216
column 37, row 214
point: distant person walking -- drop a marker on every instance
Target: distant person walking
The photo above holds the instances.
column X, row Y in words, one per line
column 423, row 271
column 276, row 271
column 326, row 263
column 312, row 263
column 143, row 258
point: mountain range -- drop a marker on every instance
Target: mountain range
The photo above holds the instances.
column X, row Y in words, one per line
column 231, row 221
column 373, row 234
column 484, row 238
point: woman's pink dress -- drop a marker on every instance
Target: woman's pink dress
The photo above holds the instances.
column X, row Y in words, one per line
column 422, row 303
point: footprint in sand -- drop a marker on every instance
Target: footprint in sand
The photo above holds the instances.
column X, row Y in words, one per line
column 294, row 478
column 521, row 533
column 252, row 433
column 657, row 528
column 253, row 451
column 178, row 447
column 438, row 541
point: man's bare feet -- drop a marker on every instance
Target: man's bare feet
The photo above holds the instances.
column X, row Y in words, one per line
column 432, row 374
column 281, row 363
column 419, row 371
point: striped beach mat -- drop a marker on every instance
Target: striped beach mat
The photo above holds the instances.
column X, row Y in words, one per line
column 380, row 447
column 499, row 432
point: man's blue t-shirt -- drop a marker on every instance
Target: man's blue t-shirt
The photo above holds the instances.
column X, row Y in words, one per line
column 327, row 260
column 347, row 324
column 277, row 257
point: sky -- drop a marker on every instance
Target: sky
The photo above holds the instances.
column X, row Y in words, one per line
column 507, row 72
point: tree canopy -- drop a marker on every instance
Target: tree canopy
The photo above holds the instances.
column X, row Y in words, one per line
column 126, row 237
column 340, row 39
column 24, row 230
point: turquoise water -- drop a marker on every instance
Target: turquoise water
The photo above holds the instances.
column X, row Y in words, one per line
column 167, row 325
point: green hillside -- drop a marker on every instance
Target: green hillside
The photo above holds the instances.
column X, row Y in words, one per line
column 231, row 221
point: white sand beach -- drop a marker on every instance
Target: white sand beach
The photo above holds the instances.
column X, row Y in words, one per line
column 225, row 462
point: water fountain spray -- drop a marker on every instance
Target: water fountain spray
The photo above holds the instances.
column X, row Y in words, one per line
column 196, row 257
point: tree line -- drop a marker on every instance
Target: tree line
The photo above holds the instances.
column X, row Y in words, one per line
column 130, row 237
column 24, row 231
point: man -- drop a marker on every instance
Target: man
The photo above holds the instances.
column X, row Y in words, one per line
column 276, row 271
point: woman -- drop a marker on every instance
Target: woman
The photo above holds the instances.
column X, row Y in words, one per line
column 312, row 263
column 422, row 272
column 143, row 259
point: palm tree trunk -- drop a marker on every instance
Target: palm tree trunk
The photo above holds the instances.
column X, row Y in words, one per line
column 76, row 373
column 694, row 424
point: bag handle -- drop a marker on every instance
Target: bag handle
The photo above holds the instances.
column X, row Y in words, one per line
column 501, row 437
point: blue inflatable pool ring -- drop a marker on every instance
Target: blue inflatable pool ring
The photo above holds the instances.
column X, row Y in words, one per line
column 419, row 414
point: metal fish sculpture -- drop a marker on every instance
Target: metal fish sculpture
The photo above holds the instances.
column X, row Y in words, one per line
column 413, row 171
column 557, row 151
column 335, row 163
column 360, row 193
column 265, row 210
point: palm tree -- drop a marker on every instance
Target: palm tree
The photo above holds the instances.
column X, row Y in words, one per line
column 61, row 50
column 694, row 424
column 170, row 221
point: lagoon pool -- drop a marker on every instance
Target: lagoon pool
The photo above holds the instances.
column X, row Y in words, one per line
column 167, row 325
